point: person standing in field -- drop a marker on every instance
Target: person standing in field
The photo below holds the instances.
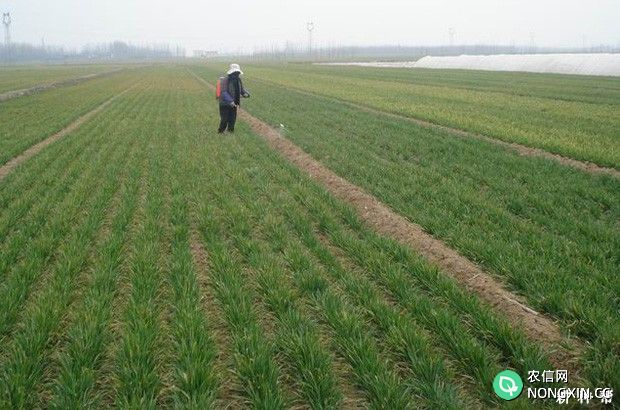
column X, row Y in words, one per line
column 230, row 91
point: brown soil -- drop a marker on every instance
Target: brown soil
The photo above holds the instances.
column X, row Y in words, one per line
column 63, row 83
column 562, row 351
column 35, row 149
column 524, row 150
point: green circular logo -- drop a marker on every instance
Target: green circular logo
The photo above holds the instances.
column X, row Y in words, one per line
column 508, row 385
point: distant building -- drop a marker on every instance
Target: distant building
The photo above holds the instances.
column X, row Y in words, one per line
column 204, row 53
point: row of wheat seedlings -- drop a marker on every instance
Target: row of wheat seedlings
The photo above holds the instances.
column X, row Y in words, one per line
column 28, row 120
column 195, row 379
column 21, row 77
column 74, row 381
column 296, row 337
column 138, row 376
column 547, row 230
column 51, row 273
column 51, row 230
column 471, row 350
column 381, row 383
column 30, row 193
column 575, row 129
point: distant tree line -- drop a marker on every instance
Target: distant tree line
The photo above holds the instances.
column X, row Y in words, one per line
column 117, row 50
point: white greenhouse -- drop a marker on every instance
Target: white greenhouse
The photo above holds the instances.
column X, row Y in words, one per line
column 583, row 64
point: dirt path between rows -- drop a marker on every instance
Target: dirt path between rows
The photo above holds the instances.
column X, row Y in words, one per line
column 35, row 149
column 562, row 351
column 62, row 83
column 387, row 222
column 524, row 150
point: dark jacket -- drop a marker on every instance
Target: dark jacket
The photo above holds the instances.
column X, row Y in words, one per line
column 232, row 90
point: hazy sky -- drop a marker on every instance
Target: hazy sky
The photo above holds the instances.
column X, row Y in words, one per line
column 235, row 24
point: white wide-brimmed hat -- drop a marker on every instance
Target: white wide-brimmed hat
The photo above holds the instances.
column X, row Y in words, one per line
column 234, row 68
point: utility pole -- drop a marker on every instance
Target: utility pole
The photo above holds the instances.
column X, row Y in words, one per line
column 532, row 42
column 310, row 28
column 584, row 42
column 6, row 20
column 451, row 34
column 44, row 49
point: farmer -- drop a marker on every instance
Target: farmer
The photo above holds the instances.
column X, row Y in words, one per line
column 230, row 97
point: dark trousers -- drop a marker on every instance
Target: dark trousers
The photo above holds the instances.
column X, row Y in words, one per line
column 228, row 117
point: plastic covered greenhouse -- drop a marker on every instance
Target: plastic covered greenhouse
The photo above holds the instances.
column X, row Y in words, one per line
column 584, row 64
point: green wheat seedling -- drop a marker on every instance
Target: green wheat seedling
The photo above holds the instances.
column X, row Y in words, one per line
column 546, row 229
column 41, row 115
column 80, row 362
column 25, row 364
column 148, row 262
column 63, row 163
column 29, row 76
column 253, row 355
column 18, row 283
column 295, row 335
column 196, row 381
column 262, row 208
column 562, row 126
column 138, row 373
column 357, row 348
column 352, row 282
